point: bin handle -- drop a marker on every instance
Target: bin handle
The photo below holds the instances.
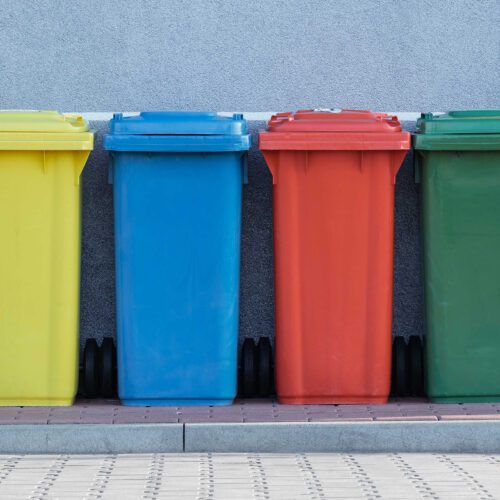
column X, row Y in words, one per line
column 111, row 170
column 244, row 168
column 417, row 173
column 272, row 159
column 44, row 162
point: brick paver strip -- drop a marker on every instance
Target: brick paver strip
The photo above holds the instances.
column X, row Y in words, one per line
column 252, row 411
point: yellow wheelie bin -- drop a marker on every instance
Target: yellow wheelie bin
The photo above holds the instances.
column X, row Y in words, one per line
column 42, row 154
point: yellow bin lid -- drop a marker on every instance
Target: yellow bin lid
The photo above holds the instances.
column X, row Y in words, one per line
column 44, row 130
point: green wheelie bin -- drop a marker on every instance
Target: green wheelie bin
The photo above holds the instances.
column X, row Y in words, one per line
column 457, row 158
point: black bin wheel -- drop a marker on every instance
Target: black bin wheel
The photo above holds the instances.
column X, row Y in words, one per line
column 400, row 368
column 415, row 355
column 108, row 368
column 265, row 367
column 90, row 369
column 248, row 369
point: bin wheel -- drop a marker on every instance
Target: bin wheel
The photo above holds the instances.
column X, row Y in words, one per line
column 415, row 356
column 400, row 367
column 91, row 369
column 248, row 368
column 265, row 367
column 108, row 368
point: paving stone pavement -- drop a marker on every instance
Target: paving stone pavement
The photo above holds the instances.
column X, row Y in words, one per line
column 209, row 476
column 246, row 411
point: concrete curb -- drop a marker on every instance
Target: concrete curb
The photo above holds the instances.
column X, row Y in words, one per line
column 91, row 438
column 373, row 437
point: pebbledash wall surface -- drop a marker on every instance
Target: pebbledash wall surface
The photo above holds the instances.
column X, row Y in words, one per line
column 228, row 55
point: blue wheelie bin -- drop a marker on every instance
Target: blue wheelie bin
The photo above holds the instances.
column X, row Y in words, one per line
column 177, row 179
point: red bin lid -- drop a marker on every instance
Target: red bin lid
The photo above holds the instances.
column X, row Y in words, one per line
column 346, row 129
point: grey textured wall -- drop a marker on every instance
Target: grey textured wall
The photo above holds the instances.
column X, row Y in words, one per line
column 112, row 55
column 109, row 55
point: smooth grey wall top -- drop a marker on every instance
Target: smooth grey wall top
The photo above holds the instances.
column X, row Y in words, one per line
column 110, row 55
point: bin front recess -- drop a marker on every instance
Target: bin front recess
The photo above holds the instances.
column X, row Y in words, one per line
column 458, row 165
column 42, row 154
column 333, row 197
column 177, row 194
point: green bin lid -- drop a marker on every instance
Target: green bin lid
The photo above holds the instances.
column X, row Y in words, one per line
column 458, row 130
column 461, row 122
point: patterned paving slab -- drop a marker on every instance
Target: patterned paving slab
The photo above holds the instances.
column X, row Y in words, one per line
column 251, row 476
column 251, row 411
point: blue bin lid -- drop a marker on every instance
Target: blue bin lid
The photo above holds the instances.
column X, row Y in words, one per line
column 177, row 132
